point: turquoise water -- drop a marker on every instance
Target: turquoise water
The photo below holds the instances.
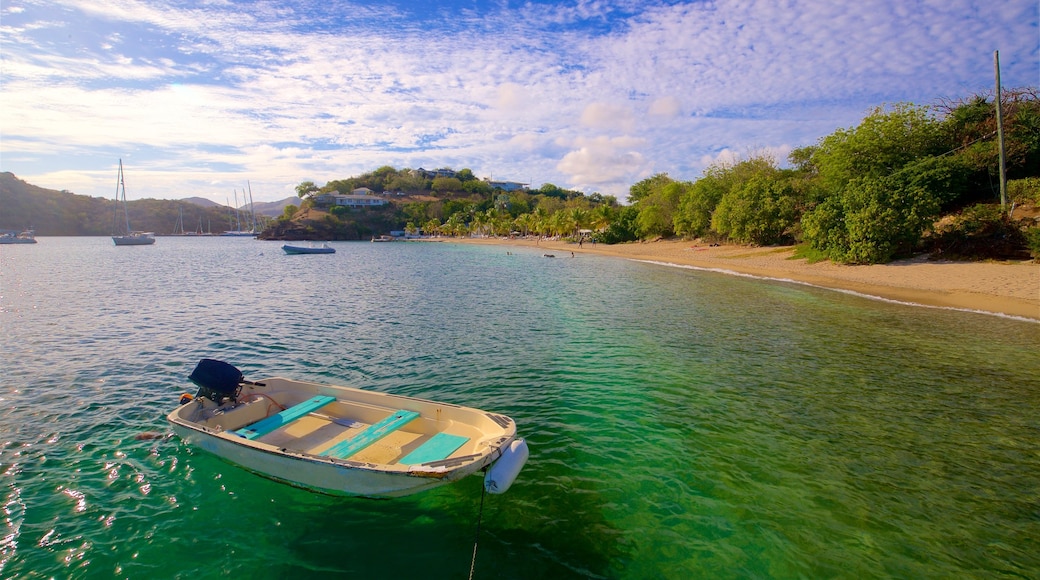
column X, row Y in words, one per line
column 682, row 424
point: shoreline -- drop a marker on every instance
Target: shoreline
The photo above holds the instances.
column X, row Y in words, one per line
column 1010, row 288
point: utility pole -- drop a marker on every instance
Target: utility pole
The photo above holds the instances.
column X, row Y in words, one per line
column 1000, row 134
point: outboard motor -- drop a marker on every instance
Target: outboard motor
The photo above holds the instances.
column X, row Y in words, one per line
column 218, row 381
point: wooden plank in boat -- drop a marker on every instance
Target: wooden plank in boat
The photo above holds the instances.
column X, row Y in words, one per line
column 265, row 426
column 440, row 446
column 377, row 431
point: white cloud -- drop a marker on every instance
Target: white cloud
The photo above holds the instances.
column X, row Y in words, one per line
column 573, row 95
column 604, row 162
column 606, row 116
column 665, row 108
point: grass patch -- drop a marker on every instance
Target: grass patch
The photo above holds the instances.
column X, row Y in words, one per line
column 809, row 254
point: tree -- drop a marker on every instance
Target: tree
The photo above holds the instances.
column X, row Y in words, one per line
column 475, row 186
column 454, row 225
column 646, row 187
column 970, row 127
column 551, row 190
column 698, row 202
column 525, row 223
column 658, row 198
column 306, row 189
column 433, row 226
column 884, row 142
column 405, row 181
column 882, row 185
column 446, row 184
column 623, row 228
column 875, row 219
column 760, row 211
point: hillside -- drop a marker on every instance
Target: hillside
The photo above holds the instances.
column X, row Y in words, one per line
column 62, row 213
column 266, row 208
column 317, row 224
column 273, row 208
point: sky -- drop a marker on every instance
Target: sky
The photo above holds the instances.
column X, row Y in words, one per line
column 210, row 98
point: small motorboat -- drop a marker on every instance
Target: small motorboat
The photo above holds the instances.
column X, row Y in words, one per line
column 322, row 249
column 14, row 237
column 342, row 440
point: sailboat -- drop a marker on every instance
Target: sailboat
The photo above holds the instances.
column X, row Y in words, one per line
column 131, row 237
column 238, row 220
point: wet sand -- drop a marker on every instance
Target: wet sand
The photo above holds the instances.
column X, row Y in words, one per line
column 1010, row 288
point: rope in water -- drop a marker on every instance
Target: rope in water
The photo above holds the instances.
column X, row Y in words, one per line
column 476, row 536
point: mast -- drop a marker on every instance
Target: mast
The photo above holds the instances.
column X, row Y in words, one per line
column 121, row 187
column 1000, row 134
column 252, row 214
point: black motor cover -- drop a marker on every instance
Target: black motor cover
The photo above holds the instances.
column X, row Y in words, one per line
column 216, row 379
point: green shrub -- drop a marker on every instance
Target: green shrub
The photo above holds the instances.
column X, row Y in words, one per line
column 1032, row 236
column 1025, row 190
column 622, row 229
column 980, row 231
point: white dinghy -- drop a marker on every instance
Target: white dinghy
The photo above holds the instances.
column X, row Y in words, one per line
column 342, row 440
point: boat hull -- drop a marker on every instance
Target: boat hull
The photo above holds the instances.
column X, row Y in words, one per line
column 301, row 450
column 133, row 240
column 313, row 474
column 293, row 250
column 26, row 237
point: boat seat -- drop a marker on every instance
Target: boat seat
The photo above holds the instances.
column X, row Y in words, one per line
column 373, row 433
column 440, row 446
column 265, row 426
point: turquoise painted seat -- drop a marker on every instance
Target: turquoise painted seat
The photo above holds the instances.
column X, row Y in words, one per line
column 375, row 432
column 265, row 426
column 440, row 446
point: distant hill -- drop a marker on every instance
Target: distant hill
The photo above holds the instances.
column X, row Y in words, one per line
column 52, row 212
column 202, row 202
column 274, row 208
column 63, row 213
column 267, row 208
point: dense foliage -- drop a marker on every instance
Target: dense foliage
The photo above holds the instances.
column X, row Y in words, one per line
column 873, row 192
column 455, row 204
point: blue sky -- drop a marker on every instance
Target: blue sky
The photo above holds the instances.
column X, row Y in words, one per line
column 199, row 98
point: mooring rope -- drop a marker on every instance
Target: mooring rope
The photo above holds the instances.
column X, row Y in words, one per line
column 476, row 536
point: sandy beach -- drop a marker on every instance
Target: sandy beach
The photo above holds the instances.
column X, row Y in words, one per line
column 1010, row 288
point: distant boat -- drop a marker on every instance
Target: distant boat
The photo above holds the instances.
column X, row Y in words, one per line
column 384, row 238
column 178, row 230
column 251, row 233
column 14, row 237
column 322, row 249
column 131, row 237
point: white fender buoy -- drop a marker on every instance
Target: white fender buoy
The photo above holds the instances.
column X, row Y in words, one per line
column 504, row 471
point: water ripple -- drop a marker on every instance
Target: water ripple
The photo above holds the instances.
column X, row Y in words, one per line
column 682, row 424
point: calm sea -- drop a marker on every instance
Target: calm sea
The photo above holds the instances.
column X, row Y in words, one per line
column 682, row 424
